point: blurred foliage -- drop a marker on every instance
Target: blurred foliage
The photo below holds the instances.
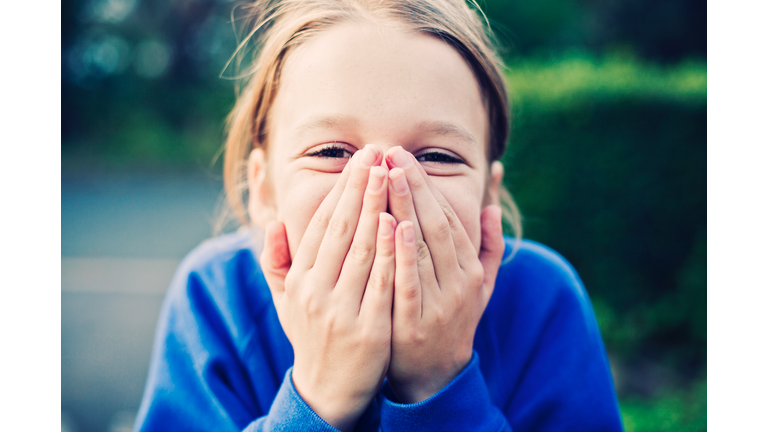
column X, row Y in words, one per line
column 575, row 80
column 665, row 31
column 607, row 155
column 607, row 160
column 678, row 411
column 157, row 126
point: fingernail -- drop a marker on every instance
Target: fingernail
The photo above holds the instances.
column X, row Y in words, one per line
column 409, row 234
column 385, row 226
column 376, row 179
column 399, row 183
column 400, row 158
column 368, row 158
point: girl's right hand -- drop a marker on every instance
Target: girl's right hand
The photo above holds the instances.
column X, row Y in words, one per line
column 334, row 301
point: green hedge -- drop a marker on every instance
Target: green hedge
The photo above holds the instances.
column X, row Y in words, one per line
column 607, row 160
column 575, row 80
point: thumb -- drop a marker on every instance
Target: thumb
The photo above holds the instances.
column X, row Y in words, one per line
column 275, row 258
column 491, row 247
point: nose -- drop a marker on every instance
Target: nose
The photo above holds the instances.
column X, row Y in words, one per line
column 388, row 151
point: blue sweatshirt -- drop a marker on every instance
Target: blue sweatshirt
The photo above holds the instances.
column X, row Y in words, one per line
column 221, row 361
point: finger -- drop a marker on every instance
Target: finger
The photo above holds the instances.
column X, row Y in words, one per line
column 402, row 208
column 435, row 225
column 408, row 296
column 343, row 224
column 465, row 250
column 313, row 236
column 275, row 258
column 357, row 263
column 377, row 299
column 491, row 247
column 400, row 200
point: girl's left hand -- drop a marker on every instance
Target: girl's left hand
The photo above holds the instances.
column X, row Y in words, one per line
column 442, row 284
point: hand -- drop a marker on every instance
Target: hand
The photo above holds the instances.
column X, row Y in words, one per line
column 334, row 301
column 442, row 285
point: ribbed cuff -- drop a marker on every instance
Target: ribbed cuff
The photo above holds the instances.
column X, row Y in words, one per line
column 462, row 405
column 289, row 412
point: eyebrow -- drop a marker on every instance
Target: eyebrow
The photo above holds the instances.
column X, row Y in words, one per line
column 429, row 127
column 441, row 128
column 325, row 123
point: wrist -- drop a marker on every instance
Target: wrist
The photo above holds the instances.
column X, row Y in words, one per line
column 463, row 404
column 422, row 386
column 340, row 411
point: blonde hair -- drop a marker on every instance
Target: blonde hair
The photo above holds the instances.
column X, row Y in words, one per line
column 278, row 26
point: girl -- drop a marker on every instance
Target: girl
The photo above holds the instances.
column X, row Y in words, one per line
column 368, row 135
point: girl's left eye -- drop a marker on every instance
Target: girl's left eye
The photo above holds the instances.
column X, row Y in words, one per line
column 333, row 151
column 439, row 157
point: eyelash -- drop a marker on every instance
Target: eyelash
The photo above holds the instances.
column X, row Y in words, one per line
column 332, row 150
column 325, row 152
column 438, row 157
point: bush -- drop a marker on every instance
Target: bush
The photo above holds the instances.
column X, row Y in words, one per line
column 607, row 161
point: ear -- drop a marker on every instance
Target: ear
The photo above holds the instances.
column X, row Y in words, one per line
column 261, row 203
column 494, row 184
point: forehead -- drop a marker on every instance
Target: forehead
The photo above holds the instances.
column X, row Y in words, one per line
column 383, row 79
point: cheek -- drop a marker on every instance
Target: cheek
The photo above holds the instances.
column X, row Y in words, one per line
column 297, row 204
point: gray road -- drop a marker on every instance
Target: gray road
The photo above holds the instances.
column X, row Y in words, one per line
column 121, row 239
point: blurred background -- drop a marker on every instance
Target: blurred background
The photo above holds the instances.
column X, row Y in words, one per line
column 606, row 160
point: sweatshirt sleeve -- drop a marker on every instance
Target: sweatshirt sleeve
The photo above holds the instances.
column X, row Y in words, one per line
column 220, row 360
column 539, row 363
column 289, row 412
column 541, row 353
column 462, row 405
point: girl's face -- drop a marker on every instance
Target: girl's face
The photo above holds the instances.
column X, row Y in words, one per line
column 354, row 85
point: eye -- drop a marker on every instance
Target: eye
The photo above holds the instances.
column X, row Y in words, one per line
column 331, row 151
column 439, row 157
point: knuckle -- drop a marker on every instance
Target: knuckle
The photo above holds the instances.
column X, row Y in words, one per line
column 457, row 300
column 311, row 305
column 332, row 324
column 290, row 283
column 417, row 181
column 369, row 205
column 379, row 281
column 440, row 315
column 476, row 275
column 422, row 252
column 361, row 253
column 442, row 229
column 386, row 254
column 338, row 227
column 417, row 336
column 449, row 214
column 409, row 292
column 321, row 219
